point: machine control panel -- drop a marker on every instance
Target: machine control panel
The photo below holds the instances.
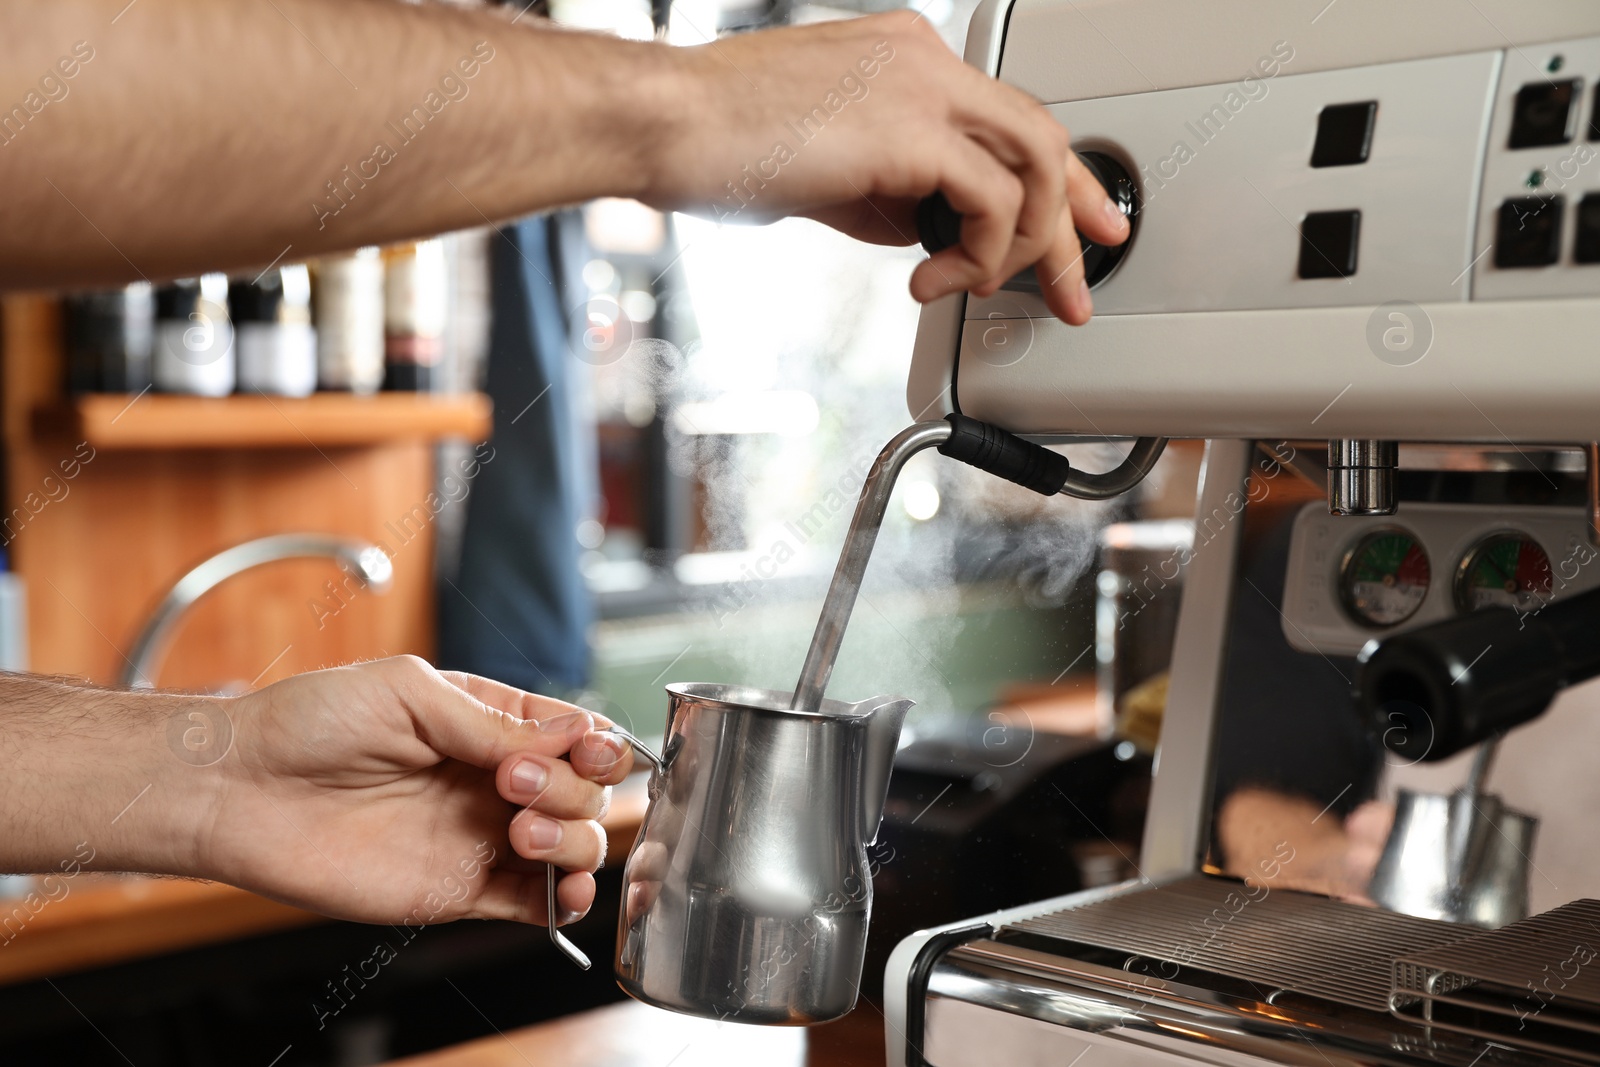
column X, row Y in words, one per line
column 1458, row 178
column 1352, row 579
column 1322, row 189
column 1362, row 236
column 1540, row 212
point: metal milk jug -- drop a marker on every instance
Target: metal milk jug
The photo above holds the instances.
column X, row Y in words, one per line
column 747, row 893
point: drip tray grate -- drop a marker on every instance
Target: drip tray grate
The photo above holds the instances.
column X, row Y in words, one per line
column 1535, row 983
column 1277, row 940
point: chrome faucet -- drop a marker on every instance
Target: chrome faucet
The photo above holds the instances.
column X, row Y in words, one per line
column 362, row 560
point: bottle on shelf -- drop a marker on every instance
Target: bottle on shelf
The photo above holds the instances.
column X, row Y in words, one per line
column 277, row 344
column 108, row 339
column 194, row 350
column 347, row 306
column 466, row 317
column 415, row 285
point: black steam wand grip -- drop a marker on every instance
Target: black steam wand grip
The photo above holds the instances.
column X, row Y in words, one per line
column 1435, row 690
column 1005, row 455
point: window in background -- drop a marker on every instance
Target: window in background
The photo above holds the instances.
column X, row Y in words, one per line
column 743, row 379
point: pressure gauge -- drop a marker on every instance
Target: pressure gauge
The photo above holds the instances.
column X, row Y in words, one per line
column 1506, row 570
column 1384, row 578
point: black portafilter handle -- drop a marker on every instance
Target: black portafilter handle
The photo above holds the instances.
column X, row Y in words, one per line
column 939, row 224
column 1435, row 690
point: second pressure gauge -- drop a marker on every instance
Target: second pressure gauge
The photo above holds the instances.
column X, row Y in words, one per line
column 1508, row 570
column 1384, row 578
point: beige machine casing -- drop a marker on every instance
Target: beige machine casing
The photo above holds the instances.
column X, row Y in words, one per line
column 1205, row 330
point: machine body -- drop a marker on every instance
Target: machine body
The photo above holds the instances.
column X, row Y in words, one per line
column 1367, row 270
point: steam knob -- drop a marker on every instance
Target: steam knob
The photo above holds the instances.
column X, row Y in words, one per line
column 939, row 224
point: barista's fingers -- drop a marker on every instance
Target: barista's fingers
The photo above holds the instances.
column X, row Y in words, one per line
column 1061, row 277
column 513, row 862
column 520, row 897
column 549, row 786
column 990, row 198
column 602, row 757
column 510, row 720
column 574, row 896
column 514, row 701
column 573, row 845
column 461, row 725
column 1091, row 208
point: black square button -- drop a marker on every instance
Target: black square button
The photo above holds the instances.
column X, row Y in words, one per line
column 1543, row 113
column 1528, row 233
column 1586, row 249
column 1344, row 134
column 1328, row 241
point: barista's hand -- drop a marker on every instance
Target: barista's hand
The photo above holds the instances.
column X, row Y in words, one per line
column 851, row 122
column 390, row 792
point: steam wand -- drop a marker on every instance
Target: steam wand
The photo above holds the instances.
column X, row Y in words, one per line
column 981, row 445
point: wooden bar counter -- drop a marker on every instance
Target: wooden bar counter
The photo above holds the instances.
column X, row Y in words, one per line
column 635, row 1035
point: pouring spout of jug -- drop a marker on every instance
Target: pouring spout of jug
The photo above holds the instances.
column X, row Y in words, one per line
column 884, row 719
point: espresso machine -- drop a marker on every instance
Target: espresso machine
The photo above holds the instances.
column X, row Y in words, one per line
column 1365, row 268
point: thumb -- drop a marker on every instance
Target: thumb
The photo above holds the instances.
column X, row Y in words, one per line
column 462, row 726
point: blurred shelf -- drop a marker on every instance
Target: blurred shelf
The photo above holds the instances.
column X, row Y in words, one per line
column 332, row 420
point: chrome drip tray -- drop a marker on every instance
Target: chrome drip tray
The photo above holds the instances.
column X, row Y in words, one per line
column 1182, row 971
column 1535, row 983
column 1275, row 940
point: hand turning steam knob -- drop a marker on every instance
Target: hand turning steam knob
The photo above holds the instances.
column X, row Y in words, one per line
column 939, row 224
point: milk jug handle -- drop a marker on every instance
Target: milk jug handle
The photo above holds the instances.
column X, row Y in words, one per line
column 552, row 876
column 639, row 747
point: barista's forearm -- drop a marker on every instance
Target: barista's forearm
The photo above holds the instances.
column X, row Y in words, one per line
column 103, row 780
column 200, row 135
